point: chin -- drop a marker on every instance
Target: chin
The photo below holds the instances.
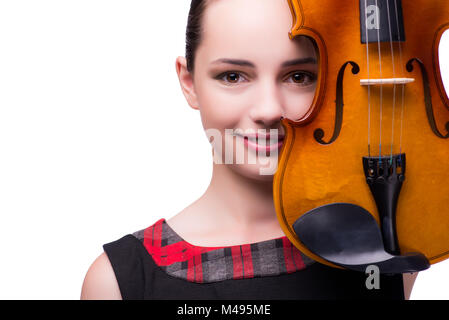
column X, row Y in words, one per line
column 253, row 172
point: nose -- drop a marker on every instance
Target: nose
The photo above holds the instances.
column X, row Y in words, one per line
column 267, row 109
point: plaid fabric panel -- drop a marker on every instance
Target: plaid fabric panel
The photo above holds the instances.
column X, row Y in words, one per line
column 180, row 259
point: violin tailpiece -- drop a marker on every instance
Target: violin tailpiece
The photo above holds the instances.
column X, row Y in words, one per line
column 384, row 176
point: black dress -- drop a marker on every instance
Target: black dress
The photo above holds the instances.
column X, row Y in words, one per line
column 156, row 263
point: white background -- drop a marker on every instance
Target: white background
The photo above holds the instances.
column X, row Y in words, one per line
column 96, row 138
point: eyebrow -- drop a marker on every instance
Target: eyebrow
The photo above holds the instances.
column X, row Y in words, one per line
column 309, row 60
column 246, row 63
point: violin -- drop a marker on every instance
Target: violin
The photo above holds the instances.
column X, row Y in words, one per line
column 363, row 177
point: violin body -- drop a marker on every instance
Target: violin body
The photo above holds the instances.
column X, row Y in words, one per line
column 321, row 161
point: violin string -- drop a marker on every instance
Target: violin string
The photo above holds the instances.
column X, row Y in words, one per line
column 380, row 76
column 403, row 73
column 394, row 84
column 369, row 86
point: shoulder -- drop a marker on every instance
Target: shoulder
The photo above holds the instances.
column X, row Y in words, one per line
column 100, row 282
column 409, row 281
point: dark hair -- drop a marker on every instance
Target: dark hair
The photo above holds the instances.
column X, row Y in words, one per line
column 193, row 32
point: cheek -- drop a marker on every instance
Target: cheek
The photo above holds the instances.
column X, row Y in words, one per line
column 220, row 110
column 297, row 105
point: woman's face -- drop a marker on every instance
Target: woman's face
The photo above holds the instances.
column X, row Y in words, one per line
column 247, row 75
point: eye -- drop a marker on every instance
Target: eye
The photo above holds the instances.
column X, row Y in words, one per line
column 230, row 77
column 302, row 78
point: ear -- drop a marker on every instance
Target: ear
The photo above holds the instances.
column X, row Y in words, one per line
column 186, row 82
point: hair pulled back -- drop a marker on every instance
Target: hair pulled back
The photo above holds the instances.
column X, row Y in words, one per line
column 193, row 32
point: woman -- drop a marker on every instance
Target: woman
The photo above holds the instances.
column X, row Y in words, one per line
column 243, row 73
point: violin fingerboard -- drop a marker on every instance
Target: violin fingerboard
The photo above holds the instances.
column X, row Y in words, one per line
column 381, row 21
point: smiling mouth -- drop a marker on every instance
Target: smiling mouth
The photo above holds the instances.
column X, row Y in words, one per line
column 262, row 143
column 260, row 137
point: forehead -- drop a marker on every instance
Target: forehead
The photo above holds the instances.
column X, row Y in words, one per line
column 250, row 29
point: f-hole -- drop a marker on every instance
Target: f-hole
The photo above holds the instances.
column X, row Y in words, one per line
column 318, row 134
column 428, row 99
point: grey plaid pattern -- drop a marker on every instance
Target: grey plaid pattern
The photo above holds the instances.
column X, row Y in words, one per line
column 205, row 265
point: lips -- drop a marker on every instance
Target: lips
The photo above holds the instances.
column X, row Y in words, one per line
column 261, row 136
column 262, row 142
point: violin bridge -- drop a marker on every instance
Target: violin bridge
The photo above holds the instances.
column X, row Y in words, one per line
column 368, row 82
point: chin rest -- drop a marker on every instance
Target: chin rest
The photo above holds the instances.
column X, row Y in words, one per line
column 348, row 236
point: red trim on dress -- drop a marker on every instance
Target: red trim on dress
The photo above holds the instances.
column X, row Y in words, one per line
column 182, row 251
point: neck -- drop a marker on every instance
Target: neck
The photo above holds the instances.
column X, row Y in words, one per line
column 242, row 201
